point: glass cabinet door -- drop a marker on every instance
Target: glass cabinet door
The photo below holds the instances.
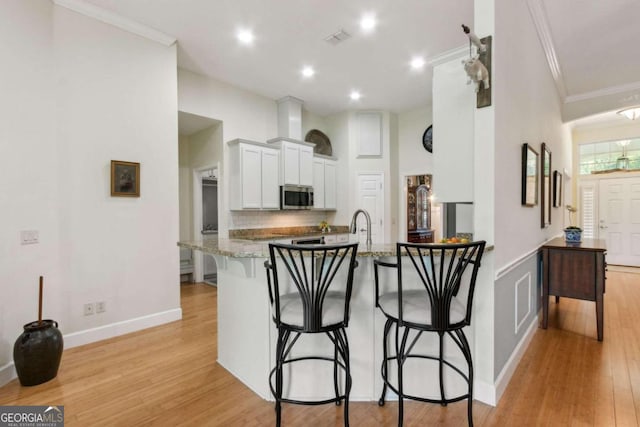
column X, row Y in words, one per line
column 423, row 211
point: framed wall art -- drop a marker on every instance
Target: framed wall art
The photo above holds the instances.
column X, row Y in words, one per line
column 546, row 188
column 557, row 189
column 529, row 176
column 125, row 179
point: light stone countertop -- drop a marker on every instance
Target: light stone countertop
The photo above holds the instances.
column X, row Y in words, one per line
column 259, row 249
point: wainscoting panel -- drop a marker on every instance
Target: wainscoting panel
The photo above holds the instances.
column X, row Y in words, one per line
column 516, row 306
column 523, row 300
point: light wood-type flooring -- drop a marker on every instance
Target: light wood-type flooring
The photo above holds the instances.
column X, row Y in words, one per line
column 167, row 376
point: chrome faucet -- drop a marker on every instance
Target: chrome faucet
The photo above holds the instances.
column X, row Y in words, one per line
column 352, row 228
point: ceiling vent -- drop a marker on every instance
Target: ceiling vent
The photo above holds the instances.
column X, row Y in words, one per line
column 337, row 37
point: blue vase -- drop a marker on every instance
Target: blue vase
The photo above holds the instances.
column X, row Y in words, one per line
column 572, row 236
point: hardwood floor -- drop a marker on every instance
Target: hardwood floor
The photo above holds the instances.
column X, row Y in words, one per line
column 167, row 376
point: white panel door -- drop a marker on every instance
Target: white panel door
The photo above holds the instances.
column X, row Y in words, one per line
column 619, row 224
column 371, row 199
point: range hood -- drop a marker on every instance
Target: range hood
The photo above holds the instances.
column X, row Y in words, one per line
column 290, row 118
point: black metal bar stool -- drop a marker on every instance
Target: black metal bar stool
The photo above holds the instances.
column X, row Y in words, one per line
column 441, row 302
column 310, row 292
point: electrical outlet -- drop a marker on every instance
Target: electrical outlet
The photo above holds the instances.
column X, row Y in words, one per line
column 29, row 237
column 89, row 309
column 101, row 307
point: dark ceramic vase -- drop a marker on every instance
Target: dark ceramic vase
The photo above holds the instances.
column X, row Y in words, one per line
column 37, row 352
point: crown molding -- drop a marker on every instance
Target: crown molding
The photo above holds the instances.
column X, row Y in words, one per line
column 116, row 20
column 539, row 16
column 449, row 55
column 612, row 90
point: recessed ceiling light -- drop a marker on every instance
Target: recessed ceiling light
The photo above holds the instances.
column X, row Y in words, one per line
column 417, row 63
column 245, row 36
column 368, row 22
column 308, row 71
column 355, row 95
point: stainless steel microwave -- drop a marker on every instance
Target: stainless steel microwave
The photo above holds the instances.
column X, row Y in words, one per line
column 296, row 197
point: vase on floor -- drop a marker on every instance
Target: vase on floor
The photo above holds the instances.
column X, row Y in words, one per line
column 37, row 352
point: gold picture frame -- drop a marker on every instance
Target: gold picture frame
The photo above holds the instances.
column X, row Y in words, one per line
column 125, row 179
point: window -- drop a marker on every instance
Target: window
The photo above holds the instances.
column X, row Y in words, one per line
column 588, row 211
column 602, row 156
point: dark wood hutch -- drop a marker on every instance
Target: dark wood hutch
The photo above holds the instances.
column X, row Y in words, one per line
column 419, row 209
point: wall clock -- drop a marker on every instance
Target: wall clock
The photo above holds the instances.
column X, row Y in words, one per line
column 427, row 139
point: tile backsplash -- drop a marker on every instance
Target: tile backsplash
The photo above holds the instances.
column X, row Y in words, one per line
column 272, row 219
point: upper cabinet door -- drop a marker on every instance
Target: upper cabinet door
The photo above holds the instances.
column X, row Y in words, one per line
column 318, row 183
column 306, row 165
column 369, row 134
column 330, row 199
column 270, row 188
column 251, row 165
column 290, row 164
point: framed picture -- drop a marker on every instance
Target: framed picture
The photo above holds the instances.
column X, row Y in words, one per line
column 546, row 197
column 125, row 179
column 529, row 176
column 557, row 189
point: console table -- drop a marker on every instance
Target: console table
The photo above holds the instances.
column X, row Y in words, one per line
column 574, row 270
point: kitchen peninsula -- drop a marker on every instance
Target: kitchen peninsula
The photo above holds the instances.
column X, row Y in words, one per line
column 246, row 334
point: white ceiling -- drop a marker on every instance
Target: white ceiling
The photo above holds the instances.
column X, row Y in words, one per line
column 594, row 43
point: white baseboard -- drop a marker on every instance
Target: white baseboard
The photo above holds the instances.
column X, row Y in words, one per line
column 120, row 328
column 484, row 392
column 511, row 365
column 7, row 373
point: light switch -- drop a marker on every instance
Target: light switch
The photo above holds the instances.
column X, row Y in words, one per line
column 29, row 237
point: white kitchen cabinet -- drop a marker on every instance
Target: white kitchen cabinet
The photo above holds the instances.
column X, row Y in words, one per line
column 297, row 161
column 369, row 134
column 332, row 239
column 253, row 180
column 270, row 187
column 306, row 162
column 324, row 183
column 318, row 183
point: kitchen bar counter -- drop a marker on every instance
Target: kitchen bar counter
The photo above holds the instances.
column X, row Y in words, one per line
column 260, row 249
column 247, row 336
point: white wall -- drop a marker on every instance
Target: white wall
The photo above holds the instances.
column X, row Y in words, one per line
column 527, row 109
column 313, row 121
column 91, row 93
column 338, row 132
column 412, row 159
column 28, row 184
column 185, row 181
